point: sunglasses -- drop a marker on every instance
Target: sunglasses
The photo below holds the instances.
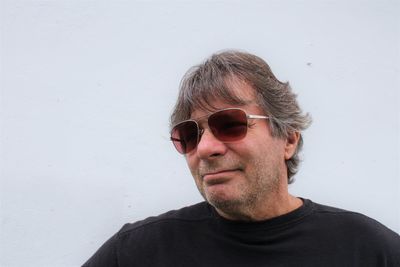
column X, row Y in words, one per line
column 227, row 125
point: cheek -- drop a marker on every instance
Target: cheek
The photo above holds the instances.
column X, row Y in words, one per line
column 270, row 149
column 192, row 163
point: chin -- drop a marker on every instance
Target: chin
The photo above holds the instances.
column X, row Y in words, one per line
column 224, row 204
column 223, row 198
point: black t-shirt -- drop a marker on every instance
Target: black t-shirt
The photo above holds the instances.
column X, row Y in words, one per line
column 312, row 235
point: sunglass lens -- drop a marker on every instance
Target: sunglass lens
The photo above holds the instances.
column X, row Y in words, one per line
column 185, row 136
column 228, row 125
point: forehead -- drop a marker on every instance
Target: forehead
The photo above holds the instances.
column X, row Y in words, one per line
column 243, row 93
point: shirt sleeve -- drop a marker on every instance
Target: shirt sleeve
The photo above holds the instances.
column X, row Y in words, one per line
column 105, row 256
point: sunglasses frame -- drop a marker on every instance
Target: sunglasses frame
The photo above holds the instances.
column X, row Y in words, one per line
column 200, row 130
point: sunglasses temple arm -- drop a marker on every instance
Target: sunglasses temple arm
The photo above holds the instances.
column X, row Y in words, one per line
column 257, row 117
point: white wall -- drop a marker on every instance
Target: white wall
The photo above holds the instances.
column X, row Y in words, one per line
column 87, row 88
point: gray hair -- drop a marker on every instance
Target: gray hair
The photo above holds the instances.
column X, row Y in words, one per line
column 210, row 81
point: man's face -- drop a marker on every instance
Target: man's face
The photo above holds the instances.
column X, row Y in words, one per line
column 234, row 177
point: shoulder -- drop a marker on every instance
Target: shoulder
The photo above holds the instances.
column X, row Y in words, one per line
column 140, row 240
column 190, row 214
column 356, row 228
column 348, row 218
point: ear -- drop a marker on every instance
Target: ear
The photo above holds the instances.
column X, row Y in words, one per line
column 291, row 144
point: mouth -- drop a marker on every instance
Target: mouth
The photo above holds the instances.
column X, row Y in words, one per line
column 218, row 177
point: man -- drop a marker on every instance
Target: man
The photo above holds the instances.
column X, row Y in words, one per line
column 239, row 129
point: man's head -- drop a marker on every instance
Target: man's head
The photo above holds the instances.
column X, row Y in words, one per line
column 211, row 81
column 269, row 150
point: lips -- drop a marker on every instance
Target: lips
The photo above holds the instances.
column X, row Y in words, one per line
column 217, row 177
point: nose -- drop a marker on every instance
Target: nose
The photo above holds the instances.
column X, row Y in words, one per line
column 209, row 146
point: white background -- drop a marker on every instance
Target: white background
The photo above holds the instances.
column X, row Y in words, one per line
column 87, row 88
